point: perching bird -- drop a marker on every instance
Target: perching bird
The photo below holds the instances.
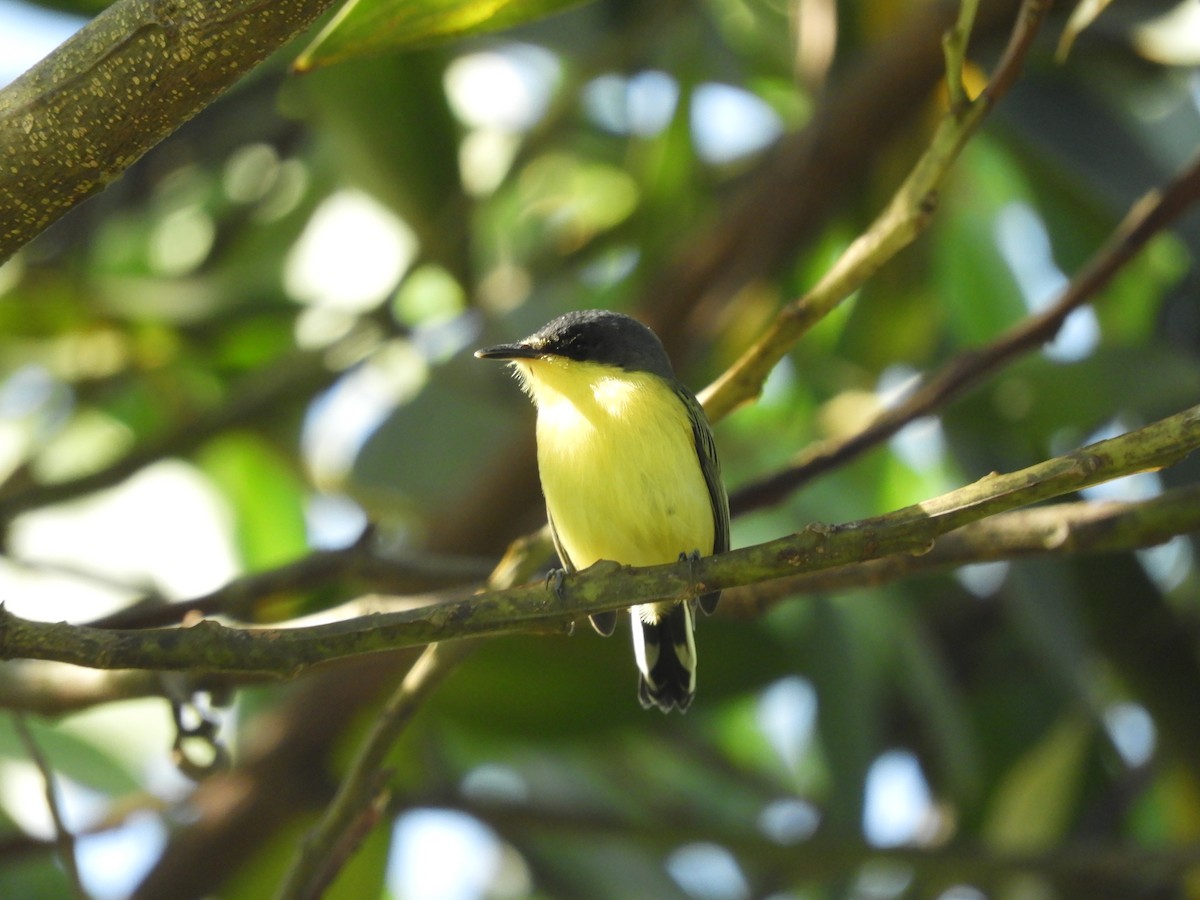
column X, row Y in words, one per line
column 629, row 471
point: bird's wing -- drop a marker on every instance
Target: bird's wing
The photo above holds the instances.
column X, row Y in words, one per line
column 710, row 466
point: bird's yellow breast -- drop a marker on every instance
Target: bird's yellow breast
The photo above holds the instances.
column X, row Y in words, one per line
column 618, row 464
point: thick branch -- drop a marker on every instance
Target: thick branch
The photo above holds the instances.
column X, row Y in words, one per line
column 209, row 646
column 52, row 689
column 75, row 122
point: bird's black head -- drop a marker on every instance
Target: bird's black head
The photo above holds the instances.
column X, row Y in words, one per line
column 592, row 335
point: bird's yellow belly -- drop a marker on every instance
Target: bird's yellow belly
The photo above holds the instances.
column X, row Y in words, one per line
column 635, row 495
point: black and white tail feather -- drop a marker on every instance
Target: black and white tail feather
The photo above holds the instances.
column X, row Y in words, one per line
column 665, row 649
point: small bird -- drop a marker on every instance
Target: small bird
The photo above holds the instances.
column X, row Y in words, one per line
column 629, row 471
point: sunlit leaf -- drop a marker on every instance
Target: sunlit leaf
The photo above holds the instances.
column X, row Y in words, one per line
column 1084, row 14
column 371, row 27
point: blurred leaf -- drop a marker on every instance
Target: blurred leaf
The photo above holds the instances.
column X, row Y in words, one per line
column 846, row 676
column 408, row 157
column 1083, row 15
column 81, row 761
column 399, row 468
column 80, row 7
column 573, row 200
column 1036, row 800
column 975, row 286
column 371, row 27
column 1039, row 406
column 266, row 496
column 1169, row 813
column 34, row 878
column 929, row 685
column 1130, row 308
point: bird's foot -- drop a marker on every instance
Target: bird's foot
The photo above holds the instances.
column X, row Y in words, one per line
column 554, row 584
column 691, row 559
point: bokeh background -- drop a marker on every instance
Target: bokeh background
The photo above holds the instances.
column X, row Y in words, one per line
column 258, row 341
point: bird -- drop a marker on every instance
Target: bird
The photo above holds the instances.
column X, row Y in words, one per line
column 629, row 472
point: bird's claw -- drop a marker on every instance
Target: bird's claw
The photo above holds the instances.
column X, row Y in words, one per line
column 554, row 584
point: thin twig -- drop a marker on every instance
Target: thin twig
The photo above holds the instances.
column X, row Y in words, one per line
column 906, row 216
column 64, row 840
column 248, row 598
column 326, row 848
column 357, row 806
column 954, row 46
column 1146, row 218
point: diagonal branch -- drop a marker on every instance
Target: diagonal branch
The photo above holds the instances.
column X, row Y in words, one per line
column 1150, row 215
column 209, row 646
column 905, row 217
column 64, row 840
column 356, row 807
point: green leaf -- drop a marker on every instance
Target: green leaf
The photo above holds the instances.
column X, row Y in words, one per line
column 370, row 27
column 1035, row 800
column 266, row 496
column 69, row 755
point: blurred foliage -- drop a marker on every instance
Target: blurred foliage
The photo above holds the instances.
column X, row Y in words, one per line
column 368, row 27
column 247, row 298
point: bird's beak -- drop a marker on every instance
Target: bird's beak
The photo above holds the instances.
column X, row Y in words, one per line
column 508, row 351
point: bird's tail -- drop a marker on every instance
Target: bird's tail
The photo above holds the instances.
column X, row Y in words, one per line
column 666, row 657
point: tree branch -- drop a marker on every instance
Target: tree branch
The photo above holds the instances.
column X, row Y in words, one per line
column 243, row 599
column 1146, row 218
column 209, row 646
column 355, row 809
column 64, row 841
column 1075, row 528
column 75, row 121
column 828, row 857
